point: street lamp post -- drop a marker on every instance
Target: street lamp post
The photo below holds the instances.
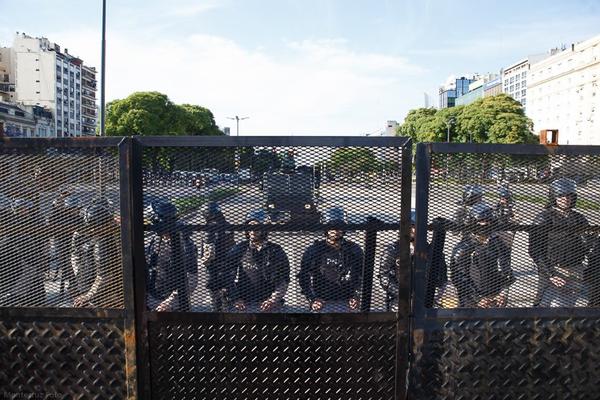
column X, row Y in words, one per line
column 103, row 71
column 448, row 123
column 237, row 121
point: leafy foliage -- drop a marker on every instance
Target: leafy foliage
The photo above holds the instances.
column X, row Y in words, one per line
column 351, row 160
column 494, row 119
column 152, row 113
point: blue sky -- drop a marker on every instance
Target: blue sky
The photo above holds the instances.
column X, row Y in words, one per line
column 300, row 67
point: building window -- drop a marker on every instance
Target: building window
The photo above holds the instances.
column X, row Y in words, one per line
column 517, row 86
column 523, row 92
column 512, row 79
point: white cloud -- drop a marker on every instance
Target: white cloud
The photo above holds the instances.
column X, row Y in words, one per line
column 318, row 87
column 187, row 8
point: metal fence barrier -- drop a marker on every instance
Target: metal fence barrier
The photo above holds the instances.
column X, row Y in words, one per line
column 271, row 266
column 217, row 267
column 507, row 272
column 66, row 289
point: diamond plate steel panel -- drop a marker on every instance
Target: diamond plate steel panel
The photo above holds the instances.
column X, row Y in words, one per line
column 273, row 361
column 62, row 360
column 508, row 359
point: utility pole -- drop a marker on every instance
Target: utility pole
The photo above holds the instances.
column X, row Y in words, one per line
column 103, row 71
column 237, row 121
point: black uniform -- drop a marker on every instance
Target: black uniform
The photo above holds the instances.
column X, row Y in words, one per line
column 480, row 269
column 64, row 220
column 258, row 275
column 23, row 260
column 559, row 252
column 163, row 277
column 220, row 241
column 97, row 269
column 330, row 274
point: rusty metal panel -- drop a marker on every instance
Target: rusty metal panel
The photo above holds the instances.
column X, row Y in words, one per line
column 192, row 360
column 62, row 359
column 549, row 358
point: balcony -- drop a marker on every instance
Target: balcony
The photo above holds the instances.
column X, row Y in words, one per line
column 7, row 87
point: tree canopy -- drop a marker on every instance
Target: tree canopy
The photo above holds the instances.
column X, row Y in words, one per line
column 494, row 119
column 152, row 113
column 350, row 160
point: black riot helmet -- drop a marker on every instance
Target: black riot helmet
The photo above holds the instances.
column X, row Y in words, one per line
column 96, row 215
column 333, row 215
column 481, row 212
column 163, row 215
column 483, row 216
column 212, row 212
column 261, row 217
column 472, row 194
column 563, row 187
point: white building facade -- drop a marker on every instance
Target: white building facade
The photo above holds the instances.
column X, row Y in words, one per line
column 44, row 76
column 514, row 81
column 564, row 93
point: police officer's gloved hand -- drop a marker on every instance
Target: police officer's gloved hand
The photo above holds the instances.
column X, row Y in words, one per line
column 353, row 303
column 317, row 305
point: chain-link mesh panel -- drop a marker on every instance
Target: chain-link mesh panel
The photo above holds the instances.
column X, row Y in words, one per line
column 60, row 239
column 508, row 359
column 514, row 230
column 276, row 361
column 201, row 257
column 62, row 360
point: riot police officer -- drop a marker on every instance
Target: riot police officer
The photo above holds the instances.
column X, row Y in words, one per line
column 558, row 247
column 331, row 269
column 216, row 243
column 97, row 276
column 259, row 270
column 472, row 194
column 23, row 257
column 505, row 214
column 437, row 276
column 172, row 259
column 63, row 221
column 480, row 263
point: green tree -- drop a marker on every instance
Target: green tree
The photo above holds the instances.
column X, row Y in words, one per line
column 143, row 113
column 265, row 160
column 414, row 121
column 351, row 160
column 152, row 113
column 197, row 120
column 494, row 119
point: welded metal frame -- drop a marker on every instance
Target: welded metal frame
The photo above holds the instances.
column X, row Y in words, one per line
column 431, row 325
column 423, row 176
column 400, row 319
column 124, row 317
